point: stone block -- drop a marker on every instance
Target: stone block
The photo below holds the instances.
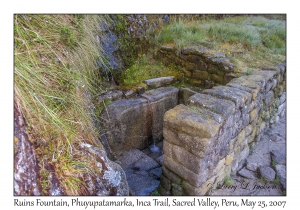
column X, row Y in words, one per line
column 111, row 95
column 171, row 175
column 216, row 78
column 163, row 191
column 159, row 82
column 193, row 178
column 246, row 85
column 165, row 182
column 189, row 160
column 184, row 94
column 159, row 101
column 269, row 98
column 201, row 75
column 278, row 156
column 253, row 115
column 195, row 82
column 220, row 106
column 168, row 148
column 126, row 124
column 267, row 74
column 190, row 66
column 183, row 119
column 219, row 166
column 247, row 174
column 248, row 129
column 240, row 138
column 239, row 97
column 281, row 174
column 229, row 158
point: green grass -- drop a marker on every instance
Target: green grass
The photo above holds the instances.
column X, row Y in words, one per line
column 253, row 42
column 145, row 67
column 228, row 181
column 55, row 81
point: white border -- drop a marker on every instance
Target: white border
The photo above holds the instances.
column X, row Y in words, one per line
column 8, row 8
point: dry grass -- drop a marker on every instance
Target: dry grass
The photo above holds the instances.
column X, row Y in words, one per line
column 55, row 80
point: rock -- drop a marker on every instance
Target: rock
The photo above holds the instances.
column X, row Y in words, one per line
column 158, row 82
column 184, row 94
column 142, row 185
column 137, row 165
column 245, row 84
column 136, row 160
column 160, row 160
column 246, row 173
column 166, row 19
column 138, row 122
column 112, row 178
column 156, row 172
column 267, row 173
column 26, row 173
column 111, row 95
column 127, row 124
column 129, row 94
column 190, row 122
column 281, row 174
column 278, row 156
column 239, row 97
column 220, row 106
column 159, row 101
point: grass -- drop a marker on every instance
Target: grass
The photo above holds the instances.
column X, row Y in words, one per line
column 55, row 81
column 146, row 67
column 228, row 181
column 263, row 180
column 252, row 42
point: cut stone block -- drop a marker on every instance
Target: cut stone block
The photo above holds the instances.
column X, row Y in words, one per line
column 159, row 82
column 220, row 106
column 239, row 97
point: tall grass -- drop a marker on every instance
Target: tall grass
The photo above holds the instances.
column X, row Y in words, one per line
column 250, row 40
column 55, row 80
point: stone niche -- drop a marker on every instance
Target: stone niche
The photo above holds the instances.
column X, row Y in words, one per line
column 210, row 137
column 200, row 65
column 136, row 123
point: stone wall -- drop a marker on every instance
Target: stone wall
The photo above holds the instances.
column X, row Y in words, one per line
column 137, row 122
column 200, row 65
column 210, row 137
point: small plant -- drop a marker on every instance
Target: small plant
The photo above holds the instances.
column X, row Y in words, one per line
column 228, row 181
column 276, row 180
column 263, row 180
column 155, row 193
column 274, row 163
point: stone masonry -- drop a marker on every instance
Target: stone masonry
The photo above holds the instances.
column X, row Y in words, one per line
column 200, row 65
column 210, row 137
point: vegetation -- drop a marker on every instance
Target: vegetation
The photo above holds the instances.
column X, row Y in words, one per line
column 146, row 67
column 252, row 42
column 56, row 79
column 228, row 181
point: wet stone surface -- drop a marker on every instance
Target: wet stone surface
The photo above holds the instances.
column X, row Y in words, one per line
column 143, row 168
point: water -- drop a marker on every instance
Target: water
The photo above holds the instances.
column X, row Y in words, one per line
column 153, row 148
